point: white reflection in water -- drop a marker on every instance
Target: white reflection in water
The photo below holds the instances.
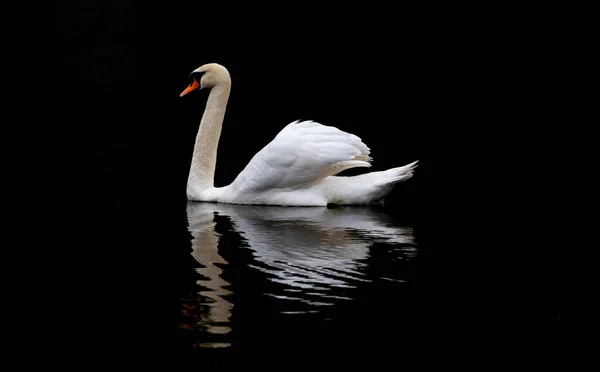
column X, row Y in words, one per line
column 204, row 244
column 308, row 250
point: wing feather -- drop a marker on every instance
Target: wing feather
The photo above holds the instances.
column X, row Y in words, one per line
column 300, row 155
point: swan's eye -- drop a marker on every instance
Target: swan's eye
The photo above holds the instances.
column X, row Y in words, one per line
column 197, row 75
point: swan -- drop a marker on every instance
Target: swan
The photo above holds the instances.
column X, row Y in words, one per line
column 298, row 167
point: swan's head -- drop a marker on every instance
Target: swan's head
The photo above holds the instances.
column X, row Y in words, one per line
column 207, row 76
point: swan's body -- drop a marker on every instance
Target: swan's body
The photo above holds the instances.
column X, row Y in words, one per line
column 297, row 168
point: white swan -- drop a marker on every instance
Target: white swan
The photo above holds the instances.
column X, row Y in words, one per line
column 297, row 168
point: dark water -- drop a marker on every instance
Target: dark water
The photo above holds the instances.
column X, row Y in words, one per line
column 134, row 267
column 289, row 271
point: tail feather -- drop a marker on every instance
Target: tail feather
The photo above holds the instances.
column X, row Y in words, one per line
column 366, row 188
column 386, row 181
column 397, row 174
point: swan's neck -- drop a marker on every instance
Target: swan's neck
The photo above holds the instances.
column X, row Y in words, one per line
column 204, row 160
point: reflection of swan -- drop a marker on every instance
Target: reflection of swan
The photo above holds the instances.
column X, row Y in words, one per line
column 204, row 244
column 297, row 168
column 312, row 249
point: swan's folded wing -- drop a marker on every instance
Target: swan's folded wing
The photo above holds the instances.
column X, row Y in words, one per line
column 302, row 154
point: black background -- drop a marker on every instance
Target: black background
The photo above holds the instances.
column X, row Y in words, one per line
column 446, row 85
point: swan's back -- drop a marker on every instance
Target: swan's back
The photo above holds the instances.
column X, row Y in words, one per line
column 301, row 155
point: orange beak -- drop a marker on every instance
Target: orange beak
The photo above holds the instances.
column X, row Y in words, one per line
column 193, row 86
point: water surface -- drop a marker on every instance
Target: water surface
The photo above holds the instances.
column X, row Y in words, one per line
column 280, row 274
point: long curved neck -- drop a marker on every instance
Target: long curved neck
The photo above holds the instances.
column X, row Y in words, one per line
column 204, row 160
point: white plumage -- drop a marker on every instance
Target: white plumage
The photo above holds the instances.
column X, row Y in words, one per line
column 300, row 156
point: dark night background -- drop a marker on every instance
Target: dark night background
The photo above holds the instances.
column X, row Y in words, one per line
column 415, row 83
